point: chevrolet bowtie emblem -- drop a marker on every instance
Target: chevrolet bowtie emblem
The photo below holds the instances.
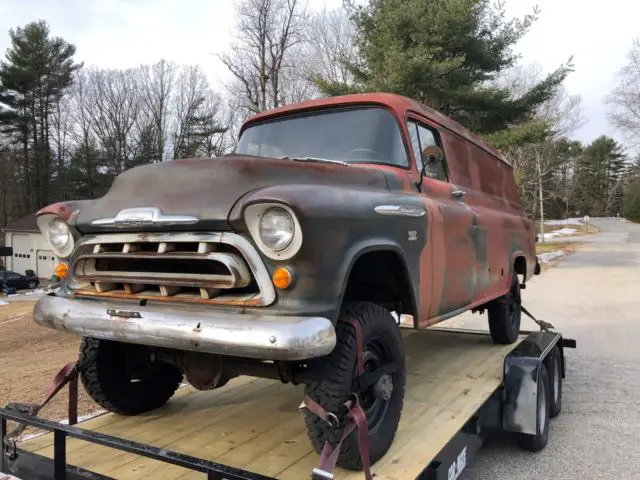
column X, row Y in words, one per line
column 144, row 216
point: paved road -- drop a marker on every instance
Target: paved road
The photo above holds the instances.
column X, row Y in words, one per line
column 594, row 297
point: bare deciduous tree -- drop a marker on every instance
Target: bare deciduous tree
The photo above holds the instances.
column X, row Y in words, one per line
column 624, row 100
column 268, row 30
column 330, row 46
column 156, row 88
column 114, row 106
column 563, row 110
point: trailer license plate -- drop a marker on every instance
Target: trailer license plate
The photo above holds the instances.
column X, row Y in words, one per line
column 456, row 468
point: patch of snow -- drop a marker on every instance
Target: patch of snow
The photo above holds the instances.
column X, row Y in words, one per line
column 31, row 293
column 3, row 303
column 548, row 256
column 568, row 221
column 559, row 233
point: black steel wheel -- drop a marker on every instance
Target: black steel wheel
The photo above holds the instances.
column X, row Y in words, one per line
column 118, row 379
column 32, row 284
column 381, row 402
column 505, row 315
column 538, row 441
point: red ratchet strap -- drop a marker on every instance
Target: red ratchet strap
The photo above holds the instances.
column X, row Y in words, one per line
column 68, row 374
column 355, row 420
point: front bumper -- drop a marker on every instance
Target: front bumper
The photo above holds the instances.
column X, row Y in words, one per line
column 267, row 337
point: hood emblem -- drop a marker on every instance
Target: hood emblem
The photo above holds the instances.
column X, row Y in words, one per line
column 144, row 216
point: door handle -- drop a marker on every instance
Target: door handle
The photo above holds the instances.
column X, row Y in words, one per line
column 458, row 193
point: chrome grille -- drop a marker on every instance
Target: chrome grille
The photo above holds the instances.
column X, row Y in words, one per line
column 216, row 268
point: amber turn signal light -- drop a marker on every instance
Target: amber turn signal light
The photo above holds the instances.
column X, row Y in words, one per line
column 62, row 270
column 282, row 278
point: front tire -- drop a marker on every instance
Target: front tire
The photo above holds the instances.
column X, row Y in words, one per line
column 113, row 382
column 505, row 315
column 382, row 344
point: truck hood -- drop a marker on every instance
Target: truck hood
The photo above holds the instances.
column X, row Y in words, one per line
column 207, row 188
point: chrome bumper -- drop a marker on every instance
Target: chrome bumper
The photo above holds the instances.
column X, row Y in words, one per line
column 208, row 330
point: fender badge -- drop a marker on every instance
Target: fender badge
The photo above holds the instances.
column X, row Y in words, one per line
column 123, row 314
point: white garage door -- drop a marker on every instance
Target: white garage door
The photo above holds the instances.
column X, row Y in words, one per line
column 21, row 254
column 46, row 263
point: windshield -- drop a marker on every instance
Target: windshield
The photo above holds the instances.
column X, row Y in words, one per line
column 356, row 135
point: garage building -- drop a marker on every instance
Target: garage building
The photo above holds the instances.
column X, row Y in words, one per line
column 30, row 249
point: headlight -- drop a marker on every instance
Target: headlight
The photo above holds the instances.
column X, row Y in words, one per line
column 59, row 234
column 276, row 228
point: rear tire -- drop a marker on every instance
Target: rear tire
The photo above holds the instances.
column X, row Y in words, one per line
column 382, row 344
column 108, row 380
column 505, row 315
column 554, row 364
column 537, row 442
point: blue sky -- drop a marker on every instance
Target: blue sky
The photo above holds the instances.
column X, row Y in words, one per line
column 125, row 33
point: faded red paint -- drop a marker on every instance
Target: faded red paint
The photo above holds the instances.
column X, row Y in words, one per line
column 464, row 253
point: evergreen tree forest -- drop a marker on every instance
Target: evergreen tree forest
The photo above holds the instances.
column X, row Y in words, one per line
column 67, row 129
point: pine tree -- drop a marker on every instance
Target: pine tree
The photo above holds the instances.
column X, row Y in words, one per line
column 34, row 76
column 445, row 53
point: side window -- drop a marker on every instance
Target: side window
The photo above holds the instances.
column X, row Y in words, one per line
column 423, row 141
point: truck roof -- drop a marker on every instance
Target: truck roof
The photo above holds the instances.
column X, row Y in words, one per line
column 398, row 103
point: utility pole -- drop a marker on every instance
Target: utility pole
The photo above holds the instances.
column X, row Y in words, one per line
column 539, row 169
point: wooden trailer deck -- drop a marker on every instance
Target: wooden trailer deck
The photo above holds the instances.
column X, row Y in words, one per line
column 255, row 424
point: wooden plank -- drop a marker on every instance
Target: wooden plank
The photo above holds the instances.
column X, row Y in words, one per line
column 257, row 426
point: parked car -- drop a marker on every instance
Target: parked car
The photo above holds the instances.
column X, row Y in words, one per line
column 354, row 208
column 18, row 281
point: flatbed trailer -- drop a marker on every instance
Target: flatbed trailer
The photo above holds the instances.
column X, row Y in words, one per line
column 460, row 388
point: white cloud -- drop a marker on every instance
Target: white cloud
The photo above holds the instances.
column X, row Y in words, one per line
column 126, row 33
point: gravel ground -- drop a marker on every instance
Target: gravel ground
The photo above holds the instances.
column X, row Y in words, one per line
column 30, row 355
column 594, row 297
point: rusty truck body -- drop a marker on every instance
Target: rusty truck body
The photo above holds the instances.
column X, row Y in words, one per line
column 259, row 262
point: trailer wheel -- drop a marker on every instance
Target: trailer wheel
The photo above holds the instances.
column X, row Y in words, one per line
column 504, row 315
column 554, row 362
column 115, row 382
column 382, row 344
column 537, row 442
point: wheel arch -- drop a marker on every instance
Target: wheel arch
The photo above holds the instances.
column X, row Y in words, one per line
column 389, row 258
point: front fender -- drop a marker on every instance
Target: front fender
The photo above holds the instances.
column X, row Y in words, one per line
column 339, row 224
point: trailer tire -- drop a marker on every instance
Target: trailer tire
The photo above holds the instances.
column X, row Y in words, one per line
column 337, row 370
column 505, row 315
column 107, row 381
column 554, row 363
column 537, row 442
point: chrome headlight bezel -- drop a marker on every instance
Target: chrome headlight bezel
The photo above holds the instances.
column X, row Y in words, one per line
column 46, row 224
column 253, row 215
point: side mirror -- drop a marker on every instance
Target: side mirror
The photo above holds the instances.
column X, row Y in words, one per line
column 430, row 155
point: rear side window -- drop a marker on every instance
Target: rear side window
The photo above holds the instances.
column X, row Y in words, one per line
column 423, row 139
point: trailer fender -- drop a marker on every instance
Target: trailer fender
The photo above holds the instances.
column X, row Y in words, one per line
column 521, row 372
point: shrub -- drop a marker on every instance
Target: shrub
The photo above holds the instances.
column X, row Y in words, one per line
column 631, row 202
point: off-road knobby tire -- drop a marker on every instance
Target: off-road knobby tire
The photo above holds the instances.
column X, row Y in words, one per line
column 537, row 442
column 338, row 370
column 106, row 381
column 503, row 330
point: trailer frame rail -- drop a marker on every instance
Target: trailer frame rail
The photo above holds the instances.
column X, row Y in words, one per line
column 63, row 471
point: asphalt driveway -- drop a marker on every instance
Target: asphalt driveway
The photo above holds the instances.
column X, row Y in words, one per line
column 594, row 297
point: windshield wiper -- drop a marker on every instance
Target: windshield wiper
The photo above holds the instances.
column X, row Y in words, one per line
column 316, row 159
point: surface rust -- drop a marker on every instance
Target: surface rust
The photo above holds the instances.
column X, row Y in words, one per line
column 459, row 255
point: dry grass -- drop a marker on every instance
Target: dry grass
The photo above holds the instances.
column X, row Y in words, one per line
column 30, row 355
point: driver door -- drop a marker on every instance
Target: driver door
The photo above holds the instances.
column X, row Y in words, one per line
column 450, row 281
